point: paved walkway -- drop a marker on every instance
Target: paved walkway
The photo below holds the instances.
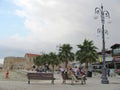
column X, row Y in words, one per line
column 93, row 83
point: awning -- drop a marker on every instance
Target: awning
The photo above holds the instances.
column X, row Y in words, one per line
column 115, row 46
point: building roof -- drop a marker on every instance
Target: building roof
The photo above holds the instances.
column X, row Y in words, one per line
column 115, row 46
column 32, row 55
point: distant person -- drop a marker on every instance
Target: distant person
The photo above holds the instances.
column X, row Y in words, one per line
column 33, row 68
column 47, row 68
column 108, row 72
column 112, row 73
column 7, row 74
column 62, row 70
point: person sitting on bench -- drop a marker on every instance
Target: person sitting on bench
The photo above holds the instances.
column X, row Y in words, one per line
column 72, row 75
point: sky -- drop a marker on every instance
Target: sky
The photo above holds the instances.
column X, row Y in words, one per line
column 36, row 26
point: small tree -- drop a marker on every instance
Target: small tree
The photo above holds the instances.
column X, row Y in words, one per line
column 53, row 60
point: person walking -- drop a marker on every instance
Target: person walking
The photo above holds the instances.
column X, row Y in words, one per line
column 62, row 70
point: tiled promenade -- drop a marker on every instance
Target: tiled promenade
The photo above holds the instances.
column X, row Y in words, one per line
column 93, row 83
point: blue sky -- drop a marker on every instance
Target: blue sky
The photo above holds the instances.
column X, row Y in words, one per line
column 9, row 21
column 35, row 26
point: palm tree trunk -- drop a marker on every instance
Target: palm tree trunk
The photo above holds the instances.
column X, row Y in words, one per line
column 86, row 65
column 66, row 63
column 53, row 69
column 53, row 73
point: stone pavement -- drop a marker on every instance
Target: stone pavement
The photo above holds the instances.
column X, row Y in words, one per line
column 93, row 83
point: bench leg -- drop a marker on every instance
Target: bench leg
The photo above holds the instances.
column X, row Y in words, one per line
column 28, row 81
column 52, row 81
column 84, row 80
column 64, row 81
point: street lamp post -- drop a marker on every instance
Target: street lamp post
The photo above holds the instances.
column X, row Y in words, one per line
column 103, row 13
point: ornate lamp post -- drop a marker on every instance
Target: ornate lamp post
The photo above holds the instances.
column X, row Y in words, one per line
column 103, row 14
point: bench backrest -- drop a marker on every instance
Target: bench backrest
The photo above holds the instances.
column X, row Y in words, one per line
column 41, row 76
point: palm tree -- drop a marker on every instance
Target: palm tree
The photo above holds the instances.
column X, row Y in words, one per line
column 87, row 53
column 49, row 59
column 39, row 61
column 53, row 60
column 65, row 54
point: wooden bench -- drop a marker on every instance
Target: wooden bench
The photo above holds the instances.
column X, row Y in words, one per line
column 82, row 79
column 40, row 76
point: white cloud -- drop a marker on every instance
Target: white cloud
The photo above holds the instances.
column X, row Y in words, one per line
column 51, row 22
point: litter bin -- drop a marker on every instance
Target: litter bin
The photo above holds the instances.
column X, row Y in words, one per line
column 89, row 74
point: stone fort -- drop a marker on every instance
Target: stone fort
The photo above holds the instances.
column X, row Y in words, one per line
column 25, row 62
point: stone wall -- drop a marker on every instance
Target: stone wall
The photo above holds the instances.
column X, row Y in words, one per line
column 14, row 63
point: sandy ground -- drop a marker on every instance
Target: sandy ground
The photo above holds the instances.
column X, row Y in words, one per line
column 18, row 81
column 13, row 76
